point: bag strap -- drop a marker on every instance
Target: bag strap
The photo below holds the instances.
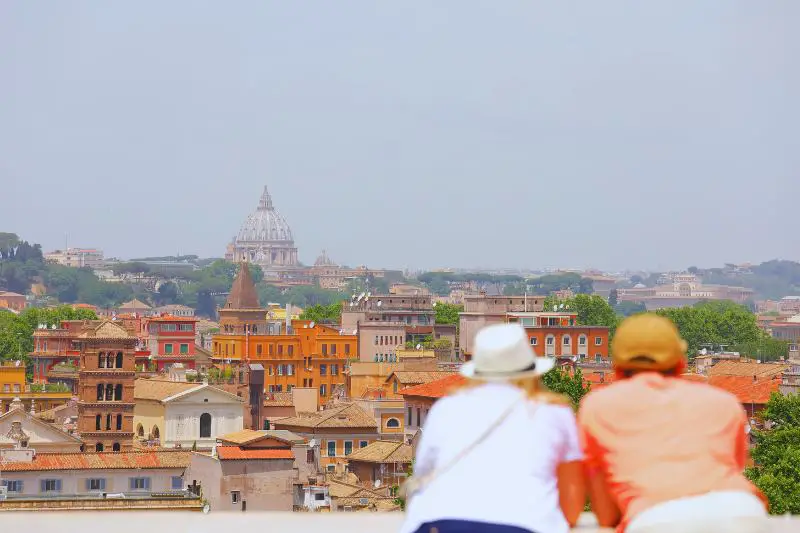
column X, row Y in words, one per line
column 420, row 483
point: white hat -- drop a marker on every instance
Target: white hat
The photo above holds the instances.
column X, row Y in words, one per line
column 503, row 352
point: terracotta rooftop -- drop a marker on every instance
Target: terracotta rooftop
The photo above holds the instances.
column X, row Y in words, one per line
column 102, row 461
column 134, row 305
column 160, row 389
column 172, row 318
column 407, row 377
column 243, row 293
column 747, row 368
column 436, row 389
column 247, row 436
column 383, row 452
column 348, row 416
column 278, row 399
column 105, row 329
column 236, row 453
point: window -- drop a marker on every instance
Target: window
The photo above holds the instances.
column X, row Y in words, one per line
column 184, row 349
column 168, row 348
column 101, row 360
column 348, row 447
column 363, row 444
column 394, row 386
column 108, row 422
column 118, row 392
column 119, row 359
column 566, row 340
column 16, row 387
column 319, row 496
column 12, row 485
column 139, row 483
column 393, row 423
column 271, row 349
column 185, row 327
column 598, row 341
column 334, row 370
column 169, row 327
column 205, row 426
column 419, row 416
column 408, row 417
column 236, row 497
column 290, row 350
column 6, row 387
column 582, row 340
column 598, row 358
column 323, row 390
column 290, row 370
column 280, row 349
column 95, row 484
column 115, row 447
column 331, row 468
column 177, row 483
column 534, row 341
column 119, row 424
column 100, row 392
column 331, row 448
column 50, row 485
column 258, row 349
column 551, row 340
column 324, row 349
column 98, row 422
column 347, row 349
column 376, row 340
column 333, row 349
column 98, row 447
column 323, row 370
column 281, row 370
column 271, row 370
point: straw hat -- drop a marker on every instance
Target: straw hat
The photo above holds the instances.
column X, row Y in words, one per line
column 647, row 342
column 503, row 352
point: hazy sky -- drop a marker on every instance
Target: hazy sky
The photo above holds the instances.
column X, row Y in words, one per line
column 408, row 133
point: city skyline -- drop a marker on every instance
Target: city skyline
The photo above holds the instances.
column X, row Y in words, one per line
column 518, row 136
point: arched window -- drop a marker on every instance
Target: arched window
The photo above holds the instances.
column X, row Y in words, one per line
column 205, row 426
column 110, row 359
column 156, row 434
column 100, row 391
column 119, row 422
column 98, row 422
column 119, row 359
column 566, row 340
column 393, row 423
column 140, row 431
column 118, row 392
column 115, row 447
column 109, row 392
column 101, row 360
column 98, row 447
column 582, row 340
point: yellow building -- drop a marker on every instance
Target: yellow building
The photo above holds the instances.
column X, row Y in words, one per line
column 43, row 397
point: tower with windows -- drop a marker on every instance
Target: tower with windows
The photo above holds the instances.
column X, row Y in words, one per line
column 105, row 386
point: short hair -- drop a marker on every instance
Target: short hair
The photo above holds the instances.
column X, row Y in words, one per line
column 629, row 372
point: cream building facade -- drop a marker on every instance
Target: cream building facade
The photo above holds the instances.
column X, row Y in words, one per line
column 20, row 429
column 182, row 415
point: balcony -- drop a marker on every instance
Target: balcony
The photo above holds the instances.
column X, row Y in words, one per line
column 343, row 522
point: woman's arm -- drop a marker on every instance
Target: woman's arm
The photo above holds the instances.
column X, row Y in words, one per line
column 603, row 505
column 571, row 490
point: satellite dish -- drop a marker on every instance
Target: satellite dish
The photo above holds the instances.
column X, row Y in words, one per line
column 355, row 332
column 312, row 324
column 377, row 483
column 206, row 508
column 312, row 443
column 17, row 363
column 419, row 346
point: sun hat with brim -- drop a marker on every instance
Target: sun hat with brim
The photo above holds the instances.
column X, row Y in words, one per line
column 503, row 352
column 647, row 342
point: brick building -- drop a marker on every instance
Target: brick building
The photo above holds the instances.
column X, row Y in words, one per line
column 106, row 386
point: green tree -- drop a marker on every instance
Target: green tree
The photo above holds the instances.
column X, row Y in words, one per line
column 168, row 293
column 776, row 455
column 331, row 313
column 630, row 308
column 567, row 383
column 447, row 313
column 592, row 310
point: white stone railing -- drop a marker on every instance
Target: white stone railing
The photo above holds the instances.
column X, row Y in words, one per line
column 179, row 522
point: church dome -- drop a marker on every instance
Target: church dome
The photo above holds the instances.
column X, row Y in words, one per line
column 265, row 224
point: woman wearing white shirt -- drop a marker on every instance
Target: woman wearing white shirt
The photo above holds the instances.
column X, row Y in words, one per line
column 501, row 455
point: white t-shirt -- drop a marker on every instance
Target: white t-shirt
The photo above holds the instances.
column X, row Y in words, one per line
column 510, row 477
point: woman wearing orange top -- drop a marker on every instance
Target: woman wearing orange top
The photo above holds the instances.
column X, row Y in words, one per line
column 664, row 454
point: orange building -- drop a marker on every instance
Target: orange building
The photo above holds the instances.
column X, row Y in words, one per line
column 299, row 354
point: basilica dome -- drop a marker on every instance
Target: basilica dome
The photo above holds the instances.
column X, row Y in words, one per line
column 265, row 238
column 265, row 224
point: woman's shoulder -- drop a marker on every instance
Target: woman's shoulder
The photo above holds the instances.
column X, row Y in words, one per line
column 552, row 398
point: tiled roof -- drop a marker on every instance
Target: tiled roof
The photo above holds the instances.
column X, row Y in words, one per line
column 436, row 389
column 172, row 318
column 102, row 461
column 747, row 368
column 278, row 399
column 134, row 305
column 349, row 416
column 383, row 452
column 236, row 453
column 341, row 489
column 243, row 293
column 745, row 389
column 158, row 389
column 247, row 436
column 106, row 330
column 407, row 377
